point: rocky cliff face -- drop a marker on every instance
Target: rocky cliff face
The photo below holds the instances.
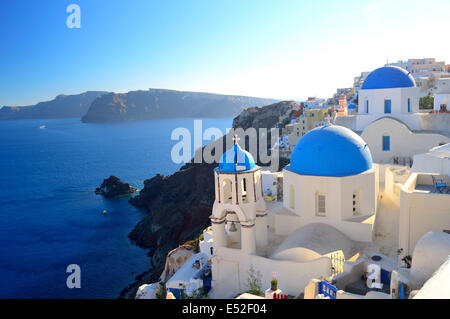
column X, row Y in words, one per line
column 277, row 114
column 63, row 106
column 157, row 103
column 178, row 209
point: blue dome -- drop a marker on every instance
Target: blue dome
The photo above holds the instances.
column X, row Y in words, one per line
column 351, row 106
column 236, row 160
column 388, row 77
column 330, row 150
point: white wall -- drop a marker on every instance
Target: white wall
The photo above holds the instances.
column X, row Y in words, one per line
column 438, row 286
column 395, row 177
column 428, row 163
column 413, row 121
column 269, row 181
column 358, row 231
column 403, row 142
column 338, row 192
column 398, row 96
column 431, row 251
column 441, row 99
column 421, row 212
column 230, row 272
column 207, row 243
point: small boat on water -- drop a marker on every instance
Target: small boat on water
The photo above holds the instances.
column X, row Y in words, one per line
column 104, row 212
column 42, row 127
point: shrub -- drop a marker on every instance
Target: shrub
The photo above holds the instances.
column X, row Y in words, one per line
column 426, row 102
column 254, row 282
column 161, row 292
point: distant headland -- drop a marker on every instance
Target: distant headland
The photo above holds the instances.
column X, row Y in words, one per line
column 101, row 106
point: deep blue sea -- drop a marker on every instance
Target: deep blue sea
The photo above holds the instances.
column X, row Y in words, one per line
column 50, row 216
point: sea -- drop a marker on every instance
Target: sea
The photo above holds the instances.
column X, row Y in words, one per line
column 51, row 218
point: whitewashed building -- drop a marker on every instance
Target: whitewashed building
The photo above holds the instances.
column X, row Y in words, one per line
column 442, row 95
column 390, row 121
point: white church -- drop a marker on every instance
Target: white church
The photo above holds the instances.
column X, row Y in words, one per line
column 330, row 197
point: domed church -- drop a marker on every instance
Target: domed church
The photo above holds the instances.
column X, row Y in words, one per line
column 388, row 90
column 329, row 202
column 331, row 179
column 390, row 120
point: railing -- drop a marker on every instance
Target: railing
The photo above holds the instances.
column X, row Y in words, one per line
column 327, row 290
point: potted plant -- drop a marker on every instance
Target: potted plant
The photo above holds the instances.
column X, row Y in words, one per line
column 274, row 284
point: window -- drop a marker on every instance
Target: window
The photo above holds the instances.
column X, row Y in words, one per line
column 386, row 143
column 387, row 106
column 367, row 106
column 320, row 205
column 211, row 249
column 291, row 197
column 356, row 202
column 409, row 105
column 244, row 190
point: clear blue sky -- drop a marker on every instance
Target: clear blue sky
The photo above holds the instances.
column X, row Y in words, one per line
column 279, row 49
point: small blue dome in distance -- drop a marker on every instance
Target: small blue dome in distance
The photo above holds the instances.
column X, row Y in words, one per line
column 330, row 150
column 236, row 160
column 388, row 77
column 351, row 106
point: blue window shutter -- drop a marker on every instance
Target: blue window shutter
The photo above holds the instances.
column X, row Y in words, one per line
column 387, row 106
column 367, row 106
column 386, row 143
column 409, row 105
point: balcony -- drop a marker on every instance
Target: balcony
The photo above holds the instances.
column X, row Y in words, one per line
column 431, row 184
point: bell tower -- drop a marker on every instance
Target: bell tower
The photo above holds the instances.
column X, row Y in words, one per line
column 239, row 217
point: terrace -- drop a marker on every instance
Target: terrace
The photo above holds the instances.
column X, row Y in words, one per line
column 431, row 184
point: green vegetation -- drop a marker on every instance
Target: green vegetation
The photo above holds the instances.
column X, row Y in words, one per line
column 426, row 102
column 161, row 291
column 254, row 282
column 196, row 242
column 200, row 293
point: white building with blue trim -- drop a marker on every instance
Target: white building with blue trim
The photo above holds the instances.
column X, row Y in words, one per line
column 329, row 202
column 389, row 118
column 331, row 179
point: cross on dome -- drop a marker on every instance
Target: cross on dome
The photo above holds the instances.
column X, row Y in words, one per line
column 236, row 160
